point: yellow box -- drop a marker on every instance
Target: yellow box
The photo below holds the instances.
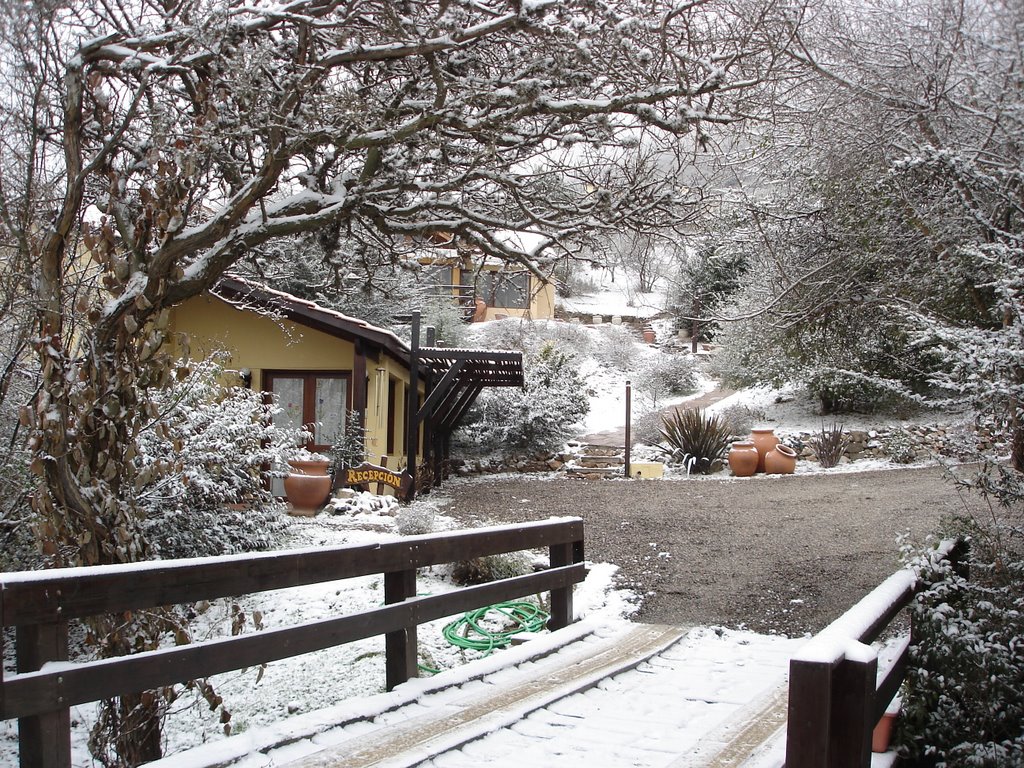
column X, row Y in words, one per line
column 646, row 470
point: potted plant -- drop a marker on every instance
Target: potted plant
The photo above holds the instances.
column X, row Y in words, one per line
column 307, row 484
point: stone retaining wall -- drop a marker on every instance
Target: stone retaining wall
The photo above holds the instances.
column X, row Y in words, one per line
column 901, row 444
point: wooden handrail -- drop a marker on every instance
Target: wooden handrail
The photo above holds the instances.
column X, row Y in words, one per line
column 836, row 694
column 40, row 603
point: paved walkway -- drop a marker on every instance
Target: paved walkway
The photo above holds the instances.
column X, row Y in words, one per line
column 627, row 695
column 616, row 438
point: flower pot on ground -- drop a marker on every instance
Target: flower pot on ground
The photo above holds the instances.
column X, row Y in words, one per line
column 881, row 736
column 764, row 440
column 780, row 460
column 649, row 335
column 308, row 485
column 743, row 458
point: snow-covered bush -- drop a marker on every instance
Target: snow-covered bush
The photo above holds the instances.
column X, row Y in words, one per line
column 617, row 347
column 540, row 416
column 480, row 570
column 962, row 697
column 899, row 446
column 665, row 376
column 208, row 450
column 740, row 419
column 846, row 391
column 416, row 520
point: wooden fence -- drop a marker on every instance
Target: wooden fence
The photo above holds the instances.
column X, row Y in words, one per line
column 40, row 604
column 836, row 694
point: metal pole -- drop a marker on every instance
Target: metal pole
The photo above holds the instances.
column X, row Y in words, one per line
column 629, row 416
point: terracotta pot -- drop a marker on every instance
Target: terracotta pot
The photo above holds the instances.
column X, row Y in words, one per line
column 780, row 460
column 743, row 459
column 882, row 735
column 308, row 485
column 764, row 440
column 649, row 335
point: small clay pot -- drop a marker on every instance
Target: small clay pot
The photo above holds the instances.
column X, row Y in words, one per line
column 780, row 460
column 882, row 733
column 764, row 440
column 743, row 458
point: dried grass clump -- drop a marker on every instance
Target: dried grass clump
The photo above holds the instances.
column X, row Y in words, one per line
column 829, row 444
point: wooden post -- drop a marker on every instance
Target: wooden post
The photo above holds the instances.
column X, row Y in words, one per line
column 412, row 406
column 561, row 599
column 400, row 651
column 809, row 720
column 629, row 436
column 853, row 709
column 44, row 741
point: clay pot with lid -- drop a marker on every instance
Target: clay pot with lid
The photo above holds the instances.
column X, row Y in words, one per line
column 743, row 458
column 764, row 440
column 780, row 460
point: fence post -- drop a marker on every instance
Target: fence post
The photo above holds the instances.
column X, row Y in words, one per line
column 561, row 599
column 400, row 652
column 853, row 712
column 44, row 741
column 809, row 719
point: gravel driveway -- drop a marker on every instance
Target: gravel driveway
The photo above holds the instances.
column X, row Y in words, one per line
column 785, row 554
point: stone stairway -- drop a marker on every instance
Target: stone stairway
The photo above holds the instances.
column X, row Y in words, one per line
column 593, row 462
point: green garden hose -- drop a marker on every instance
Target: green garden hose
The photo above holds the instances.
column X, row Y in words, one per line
column 470, row 632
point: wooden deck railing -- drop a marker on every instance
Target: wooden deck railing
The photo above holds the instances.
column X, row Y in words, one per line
column 41, row 603
column 836, row 694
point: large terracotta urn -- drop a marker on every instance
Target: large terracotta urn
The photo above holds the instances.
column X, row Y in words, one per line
column 780, row 460
column 308, row 485
column 764, row 440
column 743, row 458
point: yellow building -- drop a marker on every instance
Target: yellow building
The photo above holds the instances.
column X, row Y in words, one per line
column 487, row 288
column 324, row 367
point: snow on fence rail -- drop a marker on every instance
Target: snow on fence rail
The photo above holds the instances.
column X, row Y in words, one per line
column 836, row 693
column 39, row 604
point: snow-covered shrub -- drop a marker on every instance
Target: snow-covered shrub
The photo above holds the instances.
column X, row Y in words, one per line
column 962, row 696
column 666, row 376
column 845, row 391
column 617, row 347
column 899, row 446
column 209, row 450
column 417, row 520
column 512, row 333
column 740, row 419
column 696, row 440
column 480, row 570
column 646, row 428
column 540, row 416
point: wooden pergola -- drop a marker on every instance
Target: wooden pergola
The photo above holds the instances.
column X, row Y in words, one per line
column 453, row 379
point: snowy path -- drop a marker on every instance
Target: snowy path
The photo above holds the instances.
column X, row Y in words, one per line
column 616, row 438
column 621, row 694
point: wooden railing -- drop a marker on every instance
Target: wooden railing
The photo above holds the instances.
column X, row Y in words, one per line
column 41, row 603
column 836, row 694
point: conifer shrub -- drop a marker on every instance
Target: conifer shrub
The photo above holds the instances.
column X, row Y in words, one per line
column 538, row 417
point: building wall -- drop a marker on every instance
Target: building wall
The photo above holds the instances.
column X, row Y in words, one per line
column 541, row 304
column 260, row 343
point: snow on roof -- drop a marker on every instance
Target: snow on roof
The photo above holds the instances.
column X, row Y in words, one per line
column 231, row 288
